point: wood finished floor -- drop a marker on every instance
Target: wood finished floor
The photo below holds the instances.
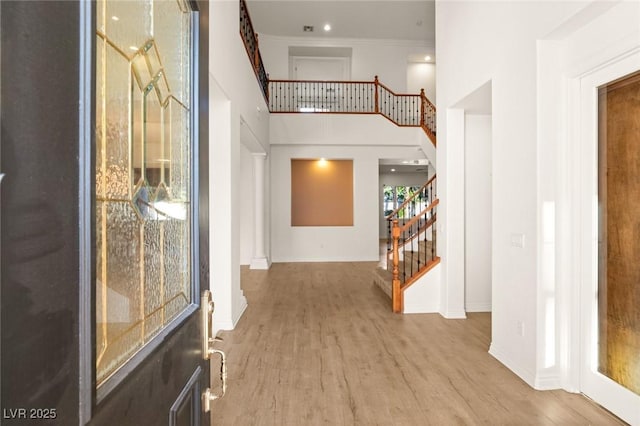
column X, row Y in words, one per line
column 318, row 345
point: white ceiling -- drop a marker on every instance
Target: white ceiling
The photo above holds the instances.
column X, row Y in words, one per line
column 403, row 166
column 364, row 19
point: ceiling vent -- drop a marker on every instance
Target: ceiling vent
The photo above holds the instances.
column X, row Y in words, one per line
column 307, row 28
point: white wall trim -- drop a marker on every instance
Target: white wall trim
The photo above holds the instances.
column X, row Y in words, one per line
column 454, row 314
column 478, row 306
column 521, row 371
column 547, row 381
column 229, row 323
column 240, row 311
column 421, row 307
column 328, row 258
column 260, row 263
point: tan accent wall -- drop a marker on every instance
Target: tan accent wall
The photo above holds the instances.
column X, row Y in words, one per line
column 321, row 192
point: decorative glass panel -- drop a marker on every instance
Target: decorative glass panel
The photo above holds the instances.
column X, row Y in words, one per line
column 143, row 156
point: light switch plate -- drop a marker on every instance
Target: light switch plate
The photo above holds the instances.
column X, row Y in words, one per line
column 517, row 240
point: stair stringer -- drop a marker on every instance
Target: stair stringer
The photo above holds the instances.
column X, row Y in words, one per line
column 428, row 148
column 423, row 296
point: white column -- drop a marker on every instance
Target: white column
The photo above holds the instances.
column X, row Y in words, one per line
column 259, row 260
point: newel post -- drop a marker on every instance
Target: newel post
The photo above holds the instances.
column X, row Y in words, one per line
column 375, row 84
column 396, row 293
column 422, row 103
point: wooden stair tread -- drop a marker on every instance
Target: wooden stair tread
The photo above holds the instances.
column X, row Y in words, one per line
column 382, row 279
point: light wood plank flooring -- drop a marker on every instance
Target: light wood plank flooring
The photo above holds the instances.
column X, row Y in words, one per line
column 318, row 345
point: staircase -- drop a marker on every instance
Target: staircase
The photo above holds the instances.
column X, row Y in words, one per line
column 411, row 244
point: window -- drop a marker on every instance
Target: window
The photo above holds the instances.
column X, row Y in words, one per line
column 144, row 244
column 395, row 196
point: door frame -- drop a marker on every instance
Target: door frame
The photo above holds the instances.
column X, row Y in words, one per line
column 86, row 211
column 583, row 96
column 345, row 61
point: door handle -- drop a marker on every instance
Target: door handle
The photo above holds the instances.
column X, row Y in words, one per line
column 207, row 350
column 209, row 396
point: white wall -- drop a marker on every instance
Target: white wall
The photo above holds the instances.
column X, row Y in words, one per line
column 324, row 243
column 235, row 98
column 423, row 296
column 478, row 42
column 224, row 231
column 385, row 58
column 422, row 76
column 348, row 129
column 477, row 197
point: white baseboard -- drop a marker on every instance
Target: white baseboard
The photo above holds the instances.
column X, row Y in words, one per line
column 524, row 373
column 222, row 325
column 454, row 314
column 421, row 308
column 542, row 380
column 478, row 306
column 228, row 324
column 546, row 380
column 260, row 263
column 240, row 311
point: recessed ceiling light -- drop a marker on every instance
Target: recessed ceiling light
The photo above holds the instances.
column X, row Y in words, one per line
column 115, row 18
column 393, row 170
column 427, row 58
column 405, row 162
column 327, row 27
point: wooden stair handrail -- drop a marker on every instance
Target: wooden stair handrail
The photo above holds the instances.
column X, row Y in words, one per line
column 375, row 82
column 425, row 101
column 422, row 229
column 420, row 272
column 271, row 80
column 407, row 201
column 418, row 216
column 255, row 57
column 394, row 93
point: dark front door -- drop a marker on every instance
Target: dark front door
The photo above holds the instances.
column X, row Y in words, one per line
column 104, row 219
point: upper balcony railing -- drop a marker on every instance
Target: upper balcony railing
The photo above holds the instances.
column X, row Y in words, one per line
column 353, row 97
column 250, row 39
column 344, row 97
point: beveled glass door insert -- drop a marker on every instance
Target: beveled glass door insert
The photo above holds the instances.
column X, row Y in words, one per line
column 144, row 253
column 619, row 232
